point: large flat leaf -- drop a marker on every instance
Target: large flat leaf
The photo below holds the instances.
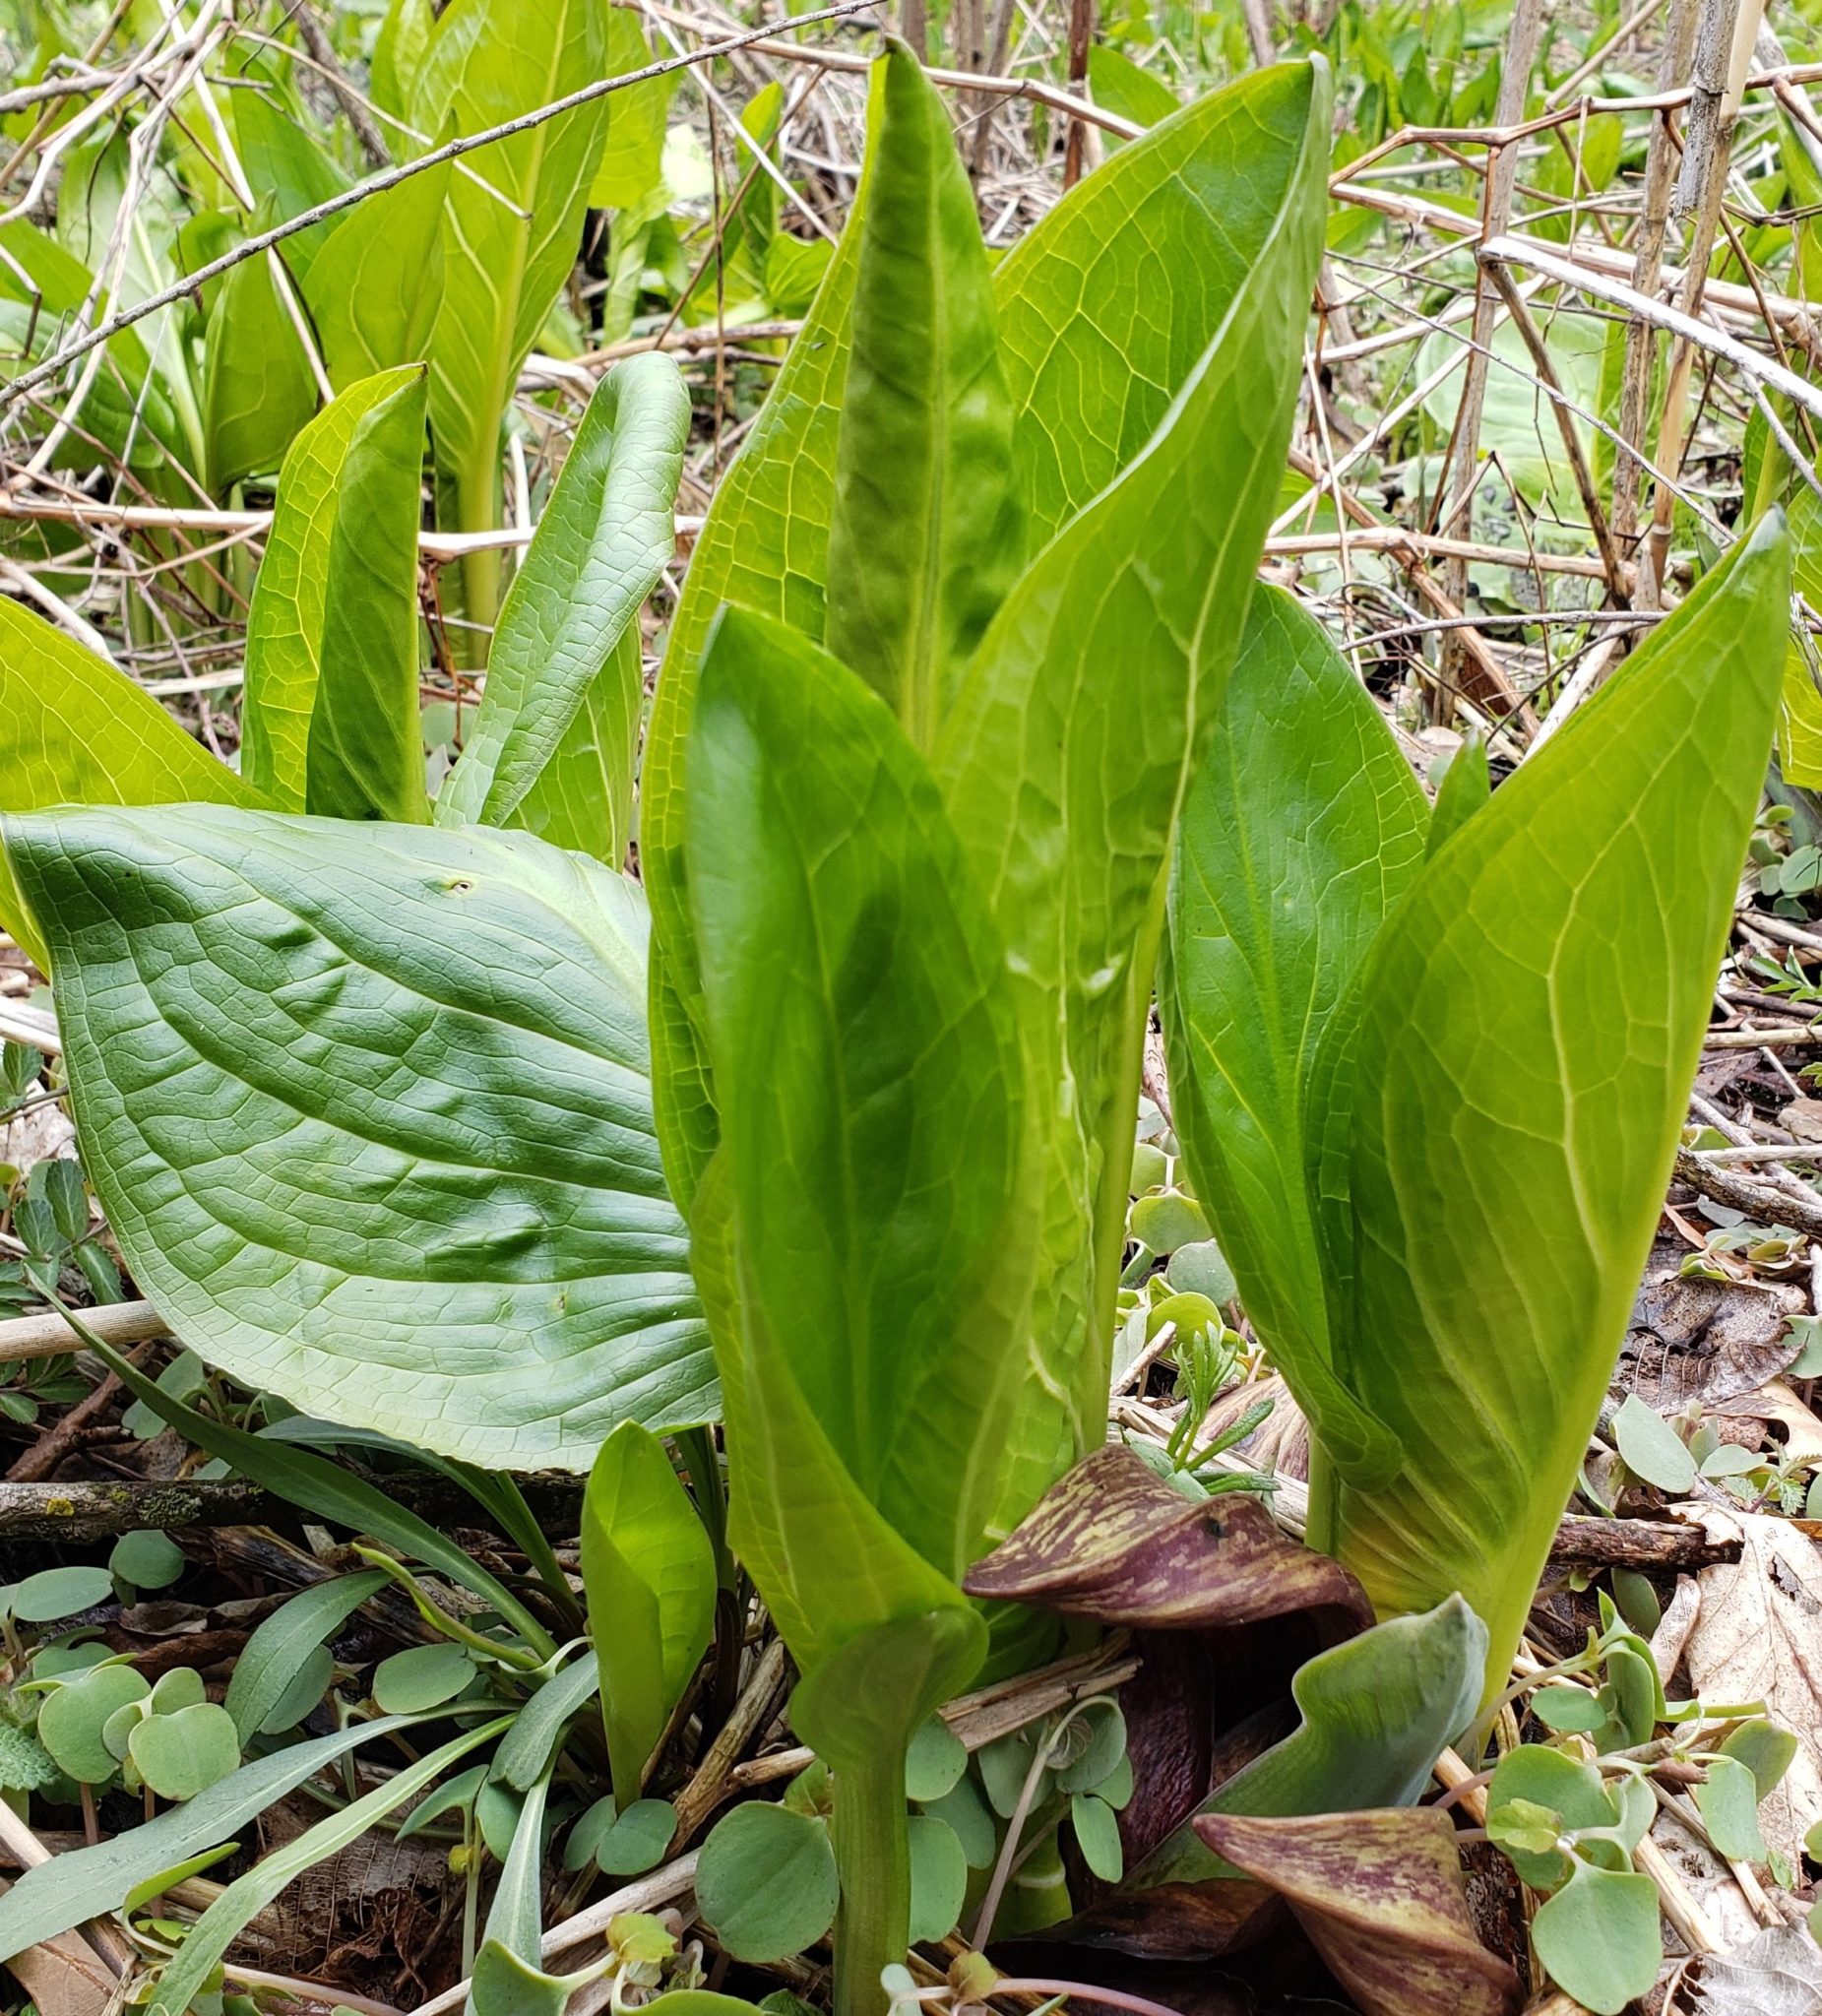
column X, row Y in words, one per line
column 367, row 1106
column 331, row 721
column 1302, row 830
column 504, row 262
column 1103, row 310
column 73, row 731
column 605, row 537
column 1064, row 782
column 374, row 288
column 868, row 1069
column 924, row 537
column 1532, row 1017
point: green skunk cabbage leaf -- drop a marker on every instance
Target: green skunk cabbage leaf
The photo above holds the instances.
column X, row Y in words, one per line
column 1064, row 782
column 1377, row 1712
column 632, row 159
column 569, row 627
column 368, row 1107
column 73, row 731
column 257, row 387
column 1104, row 309
column 868, row 1071
column 1122, row 86
column 332, row 717
column 923, row 542
column 1533, row 1017
column 503, row 263
column 374, row 288
column 1302, row 830
column 1467, row 784
column 649, row 1573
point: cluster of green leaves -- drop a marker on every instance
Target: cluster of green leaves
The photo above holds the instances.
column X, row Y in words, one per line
column 474, row 1252
column 1570, row 1815
column 907, row 886
column 1430, row 1070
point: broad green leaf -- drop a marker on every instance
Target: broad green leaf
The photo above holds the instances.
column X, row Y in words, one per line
column 187, row 1974
column 257, row 387
column 73, row 731
column 648, row 1570
column 53, row 1594
column 531, row 1743
column 73, row 1888
column 925, row 534
column 766, row 1882
column 288, row 169
column 1104, row 309
column 1601, row 1940
column 1729, row 1801
column 374, row 288
column 1799, row 723
column 1377, row 1711
column 868, row 1066
column 1122, row 86
column 604, row 538
column 575, row 799
column 331, row 718
column 1303, row 828
column 397, row 53
column 474, row 1252
column 74, row 1713
column 939, row 1878
column 277, row 1646
column 1467, row 784
column 1064, row 783
column 1533, row 1017
column 632, row 159
column 509, row 230
column 1652, row 1448
column 184, row 1753
column 421, row 1676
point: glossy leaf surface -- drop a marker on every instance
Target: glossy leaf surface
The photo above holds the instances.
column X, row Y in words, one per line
column 649, row 1573
column 1302, row 832
column 1532, row 1017
column 1064, row 782
column 471, row 1248
column 331, row 718
column 604, row 538
column 925, row 533
column 868, row 1071
column 75, row 732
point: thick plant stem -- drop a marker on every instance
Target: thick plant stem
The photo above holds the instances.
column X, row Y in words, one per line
column 1322, row 1530
column 478, row 509
column 872, row 1852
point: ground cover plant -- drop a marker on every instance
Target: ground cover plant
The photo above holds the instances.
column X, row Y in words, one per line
column 876, row 1257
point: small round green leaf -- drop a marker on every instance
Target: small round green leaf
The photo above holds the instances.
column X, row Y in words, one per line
column 935, row 1761
column 1729, row 1803
column 1568, row 1710
column 1164, row 1223
column 72, row 1719
column 1652, row 1448
column 181, row 1687
column 1765, row 1749
column 969, row 1816
column 147, row 1560
column 636, row 1839
column 938, row 1878
column 1097, row 1835
column 180, row 1755
column 586, row 1835
column 1149, row 1170
column 57, row 1593
column 425, row 1677
column 766, row 1882
column 1600, row 1938
column 1201, row 1269
column 1102, row 1732
column 118, row 1730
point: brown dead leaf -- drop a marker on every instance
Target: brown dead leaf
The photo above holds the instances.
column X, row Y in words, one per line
column 1758, row 1637
column 1709, row 1340
column 1801, row 1119
column 1777, row 1974
column 63, row 1977
column 1382, row 1899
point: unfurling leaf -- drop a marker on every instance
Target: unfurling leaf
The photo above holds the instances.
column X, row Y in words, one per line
column 649, row 1573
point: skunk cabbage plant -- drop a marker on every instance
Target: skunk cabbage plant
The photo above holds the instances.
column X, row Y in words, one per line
column 1428, row 1071
column 951, row 646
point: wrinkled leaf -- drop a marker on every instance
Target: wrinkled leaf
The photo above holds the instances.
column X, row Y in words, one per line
column 477, row 1254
